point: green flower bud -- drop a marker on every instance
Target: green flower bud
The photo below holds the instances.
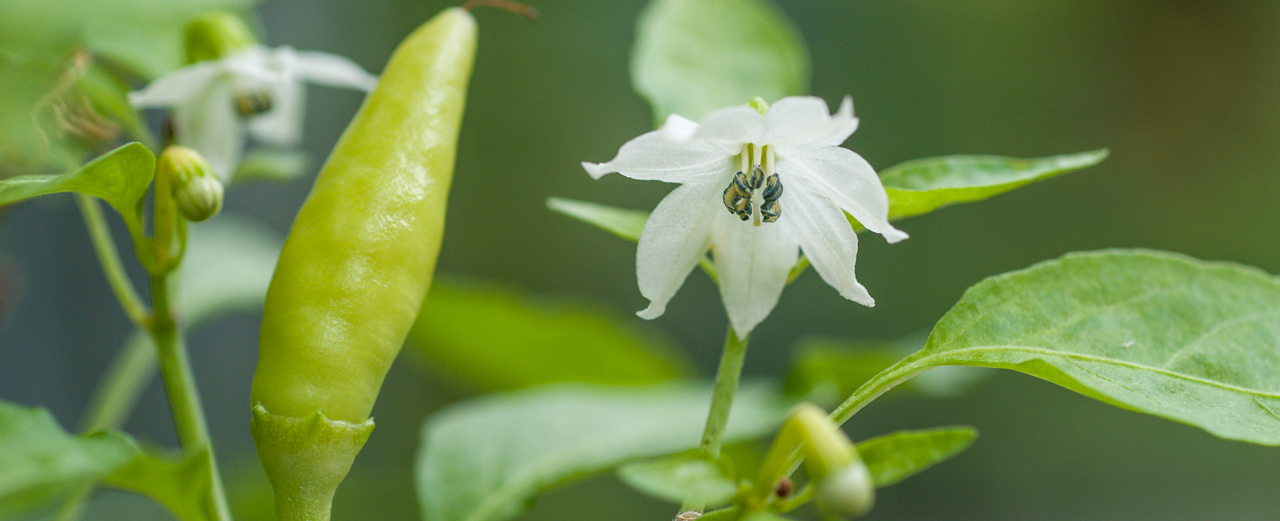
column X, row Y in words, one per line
column 194, row 186
column 200, row 198
column 848, row 492
column 217, row 34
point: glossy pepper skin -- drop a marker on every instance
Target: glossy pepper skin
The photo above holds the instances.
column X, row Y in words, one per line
column 362, row 250
column 355, row 268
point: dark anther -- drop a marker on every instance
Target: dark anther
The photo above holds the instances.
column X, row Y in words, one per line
column 785, row 488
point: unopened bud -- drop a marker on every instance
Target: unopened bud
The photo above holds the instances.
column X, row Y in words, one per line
column 196, row 188
column 217, row 34
column 848, row 492
column 200, row 198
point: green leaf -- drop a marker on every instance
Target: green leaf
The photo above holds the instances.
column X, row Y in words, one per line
column 119, row 177
column 828, row 369
column 38, row 459
column 897, row 456
column 1192, row 341
column 180, row 484
column 619, row 221
column 924, row 185
column 695, row 56
column 484, row 459
column 680, row 478
column 498, row 338
column 270, row 164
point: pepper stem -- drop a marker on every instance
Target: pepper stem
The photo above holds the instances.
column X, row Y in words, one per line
column 727, row 377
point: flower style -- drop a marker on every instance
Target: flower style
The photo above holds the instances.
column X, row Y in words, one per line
column 213, row 101
column 722, row 163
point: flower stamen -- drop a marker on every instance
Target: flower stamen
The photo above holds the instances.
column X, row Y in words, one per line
column 744, row 192
column 737, row 196
column 252, row 103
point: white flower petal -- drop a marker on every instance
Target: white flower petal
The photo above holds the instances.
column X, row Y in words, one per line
column 654, row 156
column 733, row 126
column 282, row 125
column 210, row 124
column 803, row 122
column 673, row 240
column 177, row 87
column 848, row 180
column 249, row 70
column 826, row 239
column 332, row 70
column 679, row 128
column 752, row 264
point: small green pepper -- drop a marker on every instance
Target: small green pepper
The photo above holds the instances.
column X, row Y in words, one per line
column 356, row 266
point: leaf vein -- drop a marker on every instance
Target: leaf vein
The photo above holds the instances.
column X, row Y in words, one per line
column 1211, row 331
column 941, row 360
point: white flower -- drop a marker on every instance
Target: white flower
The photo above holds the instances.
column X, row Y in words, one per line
column 726, row 165
column 213, row 101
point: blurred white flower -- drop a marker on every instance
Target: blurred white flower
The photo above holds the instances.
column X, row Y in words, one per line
column 259, row 88
column 732, row 167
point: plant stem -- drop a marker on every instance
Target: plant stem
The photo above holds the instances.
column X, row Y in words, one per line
column 879, row 384
column 727, row 376
column 180, row 386
column 105, row 247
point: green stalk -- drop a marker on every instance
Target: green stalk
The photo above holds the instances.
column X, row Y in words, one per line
column 727, row 377
column 109, row 257
column 180, row 386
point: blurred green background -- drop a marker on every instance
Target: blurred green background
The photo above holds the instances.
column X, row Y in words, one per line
column 1186, row 95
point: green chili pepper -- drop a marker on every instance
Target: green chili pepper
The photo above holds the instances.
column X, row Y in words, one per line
column 356, row 266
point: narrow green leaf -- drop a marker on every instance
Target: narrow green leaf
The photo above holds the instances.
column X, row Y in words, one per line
column 695, row 56
column 38, row 459
column 180, row 484
column 495, row 337
column 619, row 221
column 924, row 185
column 484, row 459
column 680, row 478
column 1192, row 341
column 897, row 456
column 119, row 177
